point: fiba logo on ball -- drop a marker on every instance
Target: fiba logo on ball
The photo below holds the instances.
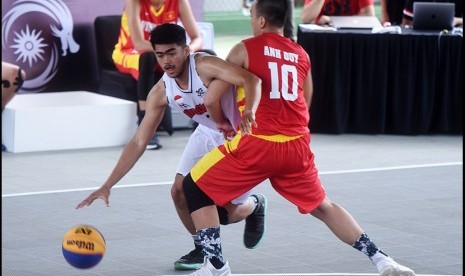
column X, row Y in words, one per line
column 83, row 246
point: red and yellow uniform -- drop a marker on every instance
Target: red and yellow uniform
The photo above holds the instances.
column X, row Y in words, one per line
column 126, row 58
column 278, row 149
column 342, row 7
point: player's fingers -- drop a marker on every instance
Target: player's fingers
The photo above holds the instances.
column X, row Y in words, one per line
column 254, row 123
column 245, row 128
column 107, row 202
column 86, row 202
column 82, row 204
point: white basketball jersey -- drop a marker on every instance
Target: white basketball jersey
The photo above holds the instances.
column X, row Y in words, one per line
column 191, row 103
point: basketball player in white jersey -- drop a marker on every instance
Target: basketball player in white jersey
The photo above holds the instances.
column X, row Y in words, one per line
column 184, row 86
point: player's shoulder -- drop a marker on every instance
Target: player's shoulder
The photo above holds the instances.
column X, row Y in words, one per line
column 204, row 56
column 203, row 59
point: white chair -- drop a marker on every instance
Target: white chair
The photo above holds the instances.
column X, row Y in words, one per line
column 208, row 35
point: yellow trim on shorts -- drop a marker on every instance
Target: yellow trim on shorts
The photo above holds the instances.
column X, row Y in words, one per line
column 204, row 164
column 126, row 60
column 279, row 138
column 232, row 144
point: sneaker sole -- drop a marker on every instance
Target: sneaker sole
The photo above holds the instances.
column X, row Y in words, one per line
column 395, row 271
column 187, row 266
column 153, row 147
column 264, row 228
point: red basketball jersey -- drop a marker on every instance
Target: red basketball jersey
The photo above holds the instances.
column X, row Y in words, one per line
column 150, row 18
column 283, row 66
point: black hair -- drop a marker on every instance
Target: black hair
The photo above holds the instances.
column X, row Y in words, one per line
column 274, row 11
column 168, row 33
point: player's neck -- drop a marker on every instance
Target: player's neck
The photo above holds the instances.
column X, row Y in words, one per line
column 157, row 5
column 278, row 31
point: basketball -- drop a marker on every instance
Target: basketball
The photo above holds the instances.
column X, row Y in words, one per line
column 83, row 246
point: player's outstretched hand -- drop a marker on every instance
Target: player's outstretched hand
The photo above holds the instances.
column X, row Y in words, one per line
column 248, row 120
column 102, row 193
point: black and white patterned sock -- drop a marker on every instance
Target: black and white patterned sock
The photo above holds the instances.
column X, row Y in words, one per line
column 366, row 246
column 197, row 242
column 211, row 243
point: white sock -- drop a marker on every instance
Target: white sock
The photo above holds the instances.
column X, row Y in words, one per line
column 380, row 260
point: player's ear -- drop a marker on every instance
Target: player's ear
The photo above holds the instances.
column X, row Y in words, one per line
column 262, row 22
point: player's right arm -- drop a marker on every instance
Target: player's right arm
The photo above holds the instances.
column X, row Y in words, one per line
column 239, row 56
column 156, row 103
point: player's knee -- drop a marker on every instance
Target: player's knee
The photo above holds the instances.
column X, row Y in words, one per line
column 195, row 198
column 223, row 215
column 177, row 193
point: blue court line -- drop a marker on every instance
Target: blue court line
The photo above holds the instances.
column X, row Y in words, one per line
column 171, row 182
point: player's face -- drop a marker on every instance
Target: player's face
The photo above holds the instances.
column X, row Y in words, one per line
column 172, row 58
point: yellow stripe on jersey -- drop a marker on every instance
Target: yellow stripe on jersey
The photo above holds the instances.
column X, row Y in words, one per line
column 279, row 138
column 240, row 99
column 157, row 13
column 213, row 157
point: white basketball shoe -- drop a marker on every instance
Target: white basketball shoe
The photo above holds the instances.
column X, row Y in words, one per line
column 388, row 267
column 209, row 270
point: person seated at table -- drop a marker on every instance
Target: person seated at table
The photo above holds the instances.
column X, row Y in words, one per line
column 407, row 17
column 133, row 53
column 319, row 11
column 12, row 80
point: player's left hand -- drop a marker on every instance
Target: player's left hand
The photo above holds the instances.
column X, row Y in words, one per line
column 227, row 129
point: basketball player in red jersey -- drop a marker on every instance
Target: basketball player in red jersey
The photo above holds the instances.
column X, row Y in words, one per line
column 133, row 53
column 274, row 145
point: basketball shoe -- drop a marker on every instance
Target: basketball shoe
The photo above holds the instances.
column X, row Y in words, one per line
column 209, row 270
column 154, row 144
column 191, row 261
column 255, row 223
column 388, row 267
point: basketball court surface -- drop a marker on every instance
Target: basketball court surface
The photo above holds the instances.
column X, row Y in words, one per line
column 405, row 191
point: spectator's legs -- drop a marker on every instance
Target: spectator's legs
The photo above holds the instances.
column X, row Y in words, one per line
column 147, row 64
column 146, row 81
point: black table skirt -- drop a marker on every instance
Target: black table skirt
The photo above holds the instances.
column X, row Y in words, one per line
column 409, row 83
